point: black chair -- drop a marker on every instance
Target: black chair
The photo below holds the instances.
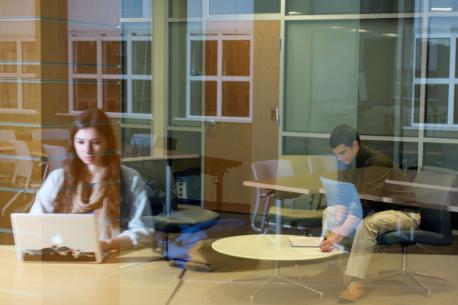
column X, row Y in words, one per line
column 185, row 219
column 435, row 226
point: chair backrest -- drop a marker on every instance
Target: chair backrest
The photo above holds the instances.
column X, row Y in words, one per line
column 322, row 163
column 50, row 134
column 23, row 164
column 272, row 168
column 264, row 170
column 435, row 218
column 56, row 156
column 7, row 135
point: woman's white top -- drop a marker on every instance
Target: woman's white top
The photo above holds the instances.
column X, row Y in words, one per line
column 135, row 208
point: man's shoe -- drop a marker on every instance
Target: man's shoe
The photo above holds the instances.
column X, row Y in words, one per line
column 353, row 293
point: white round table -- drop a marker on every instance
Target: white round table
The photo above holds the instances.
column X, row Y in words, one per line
column 272, row 247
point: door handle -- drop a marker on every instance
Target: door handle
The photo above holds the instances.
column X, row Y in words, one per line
column 275, row 116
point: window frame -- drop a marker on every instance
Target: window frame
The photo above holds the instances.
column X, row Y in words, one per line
column 219, row 77
column 100, row 77
column 19, row 78
column 451, row 81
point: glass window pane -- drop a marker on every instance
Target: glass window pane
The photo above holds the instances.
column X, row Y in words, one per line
column 8, row 95
column 31, row 95
column 312, row 7
column 341, row 78
column 305, row 146
column 8, row 57
column 230, row 7
column 136, row 142
column 112, row 90
column 236, row 99
column 416, row 109
column 111, row 57
column 321, row 88
column 141, row 57
column 436, row 106
column 141, row 96
column 236, row 57
column 456, row 105
column 186, row 142
column 385, row 86
column 85, row 57
column 200, row 90
column 178, row 65
column 136, row 8
column 199, row 59
column 456, row 58
column 403, row 154
column 136, row 28
column 443, row 5
column 185, row 8
column 438, row 57
column 84, row 94
column 30, row 57
column 441, row 155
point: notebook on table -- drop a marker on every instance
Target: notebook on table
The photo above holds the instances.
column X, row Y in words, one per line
column 305, row 241
column 56, row 238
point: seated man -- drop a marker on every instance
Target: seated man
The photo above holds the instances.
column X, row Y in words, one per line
column 368, row 169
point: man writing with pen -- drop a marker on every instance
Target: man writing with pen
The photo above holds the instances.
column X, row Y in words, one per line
column 367, row 169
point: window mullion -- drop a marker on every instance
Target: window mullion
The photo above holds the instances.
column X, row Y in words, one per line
column 100, row 100
column 219, row 76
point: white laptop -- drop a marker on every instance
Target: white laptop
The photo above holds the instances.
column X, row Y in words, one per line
column 56, row 238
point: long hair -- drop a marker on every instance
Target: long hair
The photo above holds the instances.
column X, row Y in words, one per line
column 75, row 169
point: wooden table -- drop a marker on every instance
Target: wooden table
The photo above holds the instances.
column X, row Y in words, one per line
column 271, row 247
column 108, row 283
column 307, row 184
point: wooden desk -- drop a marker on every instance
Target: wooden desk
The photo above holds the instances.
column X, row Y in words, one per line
column 295, row 184
column 307, row 184
column 76, row 284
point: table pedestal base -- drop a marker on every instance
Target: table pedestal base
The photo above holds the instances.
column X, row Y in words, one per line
column 276, row 277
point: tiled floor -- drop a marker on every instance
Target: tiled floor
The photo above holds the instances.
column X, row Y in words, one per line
column 232, row 281
column 226, row 287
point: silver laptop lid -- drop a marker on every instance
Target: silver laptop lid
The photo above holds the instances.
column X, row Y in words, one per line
column 56, row 237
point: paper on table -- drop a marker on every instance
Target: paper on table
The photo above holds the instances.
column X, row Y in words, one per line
column 305, row 241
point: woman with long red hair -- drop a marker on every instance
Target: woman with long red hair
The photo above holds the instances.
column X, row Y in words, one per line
column 93, row 181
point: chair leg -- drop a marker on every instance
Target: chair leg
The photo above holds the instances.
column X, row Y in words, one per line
column 10, row 202
column 412, row 275
column 165, row 245
column 420, row 283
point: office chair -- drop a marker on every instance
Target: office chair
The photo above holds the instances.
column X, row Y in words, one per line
column 435, row 226
column 6, row 172
column 185, row 219
column 56, row 156
column 292, row 215
column 22, row 177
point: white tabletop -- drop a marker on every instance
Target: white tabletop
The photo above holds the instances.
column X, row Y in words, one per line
column 268, row 247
